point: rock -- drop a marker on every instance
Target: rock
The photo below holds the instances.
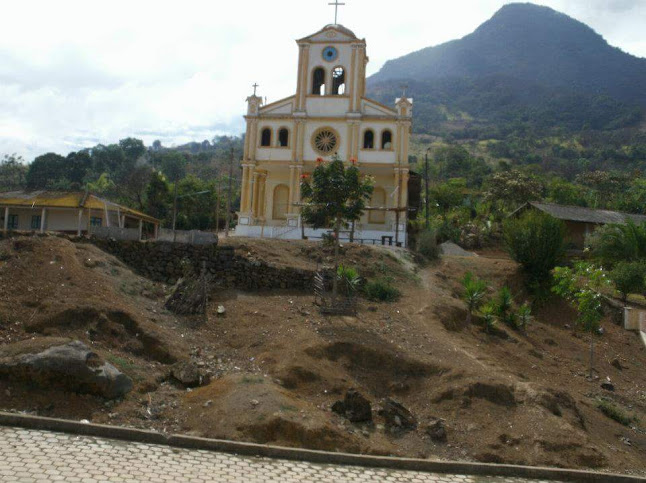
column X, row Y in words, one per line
column 608, row 386
column 354, row 407
column 188, row 374
column 60, row 364
column 221, row 310
column 397, row 417
column 616, row 363
column 437, row 431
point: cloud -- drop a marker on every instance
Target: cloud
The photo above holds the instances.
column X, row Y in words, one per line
column 79, row 73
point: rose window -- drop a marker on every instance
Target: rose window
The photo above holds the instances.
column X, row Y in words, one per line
column 325, row 141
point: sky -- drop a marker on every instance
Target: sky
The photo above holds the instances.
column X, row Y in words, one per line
column 75, row 73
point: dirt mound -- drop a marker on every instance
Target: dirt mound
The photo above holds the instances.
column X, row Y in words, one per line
column 378, row 367
column 253, row 407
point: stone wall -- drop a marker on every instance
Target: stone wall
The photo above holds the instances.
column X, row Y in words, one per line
column 165, row 261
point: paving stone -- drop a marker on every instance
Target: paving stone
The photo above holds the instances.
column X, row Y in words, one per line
column 32, row 456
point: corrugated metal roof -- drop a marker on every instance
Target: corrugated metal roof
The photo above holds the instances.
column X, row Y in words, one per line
column 66, row 199
column 585, row 215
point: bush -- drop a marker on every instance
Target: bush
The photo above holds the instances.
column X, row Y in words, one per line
column 349, row 279
column 474, row 293
column 615, row 243
column 381, row 290
column 427, row 244
column 628, row 278
column 524, row 316
column 537, row 242
column 489, row 316
column 613, row 412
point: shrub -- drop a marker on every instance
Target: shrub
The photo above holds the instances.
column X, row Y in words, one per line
column 628, row 278
column 381, row 290
column 489, row 316
column 613, row 412
column 349, row 279
column 524, row 316
column 427, row 244
column 615, row 243
column 537, row 242
column 474, row 293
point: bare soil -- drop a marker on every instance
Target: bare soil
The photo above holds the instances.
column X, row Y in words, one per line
column 277, row 365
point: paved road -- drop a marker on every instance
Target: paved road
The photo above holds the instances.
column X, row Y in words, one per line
column 35, row 456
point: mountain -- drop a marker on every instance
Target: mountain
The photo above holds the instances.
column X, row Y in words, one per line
column 527, row 63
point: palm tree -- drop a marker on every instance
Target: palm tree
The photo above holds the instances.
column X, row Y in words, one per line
column 474, row 293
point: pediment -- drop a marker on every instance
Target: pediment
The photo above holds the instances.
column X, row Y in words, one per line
column 283, row 106
column 331, row 33
column 372, row 107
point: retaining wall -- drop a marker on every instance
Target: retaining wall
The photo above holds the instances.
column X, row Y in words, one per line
column 165, row 262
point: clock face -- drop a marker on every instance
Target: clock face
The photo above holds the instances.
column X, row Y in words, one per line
column 330, row 54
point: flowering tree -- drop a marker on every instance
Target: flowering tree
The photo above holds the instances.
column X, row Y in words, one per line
column 335, row 197
column 581, row 286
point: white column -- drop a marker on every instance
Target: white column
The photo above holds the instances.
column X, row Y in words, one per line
column 80, row 222
column 141, row 229
column 107, row 215
column 156, row 230
column 6, row 219
column 43, row 217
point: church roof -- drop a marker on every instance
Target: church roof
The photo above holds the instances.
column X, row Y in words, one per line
column 336, row 27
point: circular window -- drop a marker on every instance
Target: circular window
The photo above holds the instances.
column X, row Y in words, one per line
column 325, row 140
column 330, row 54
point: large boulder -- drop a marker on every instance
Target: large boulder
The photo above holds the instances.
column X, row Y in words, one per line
column 397, row 417
column 52, row 363
column 354, row 407
column 188, row 374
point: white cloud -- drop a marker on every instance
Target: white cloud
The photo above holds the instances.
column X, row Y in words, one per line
column 74, row 73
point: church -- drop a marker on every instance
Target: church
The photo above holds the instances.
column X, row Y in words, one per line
column 329, row 114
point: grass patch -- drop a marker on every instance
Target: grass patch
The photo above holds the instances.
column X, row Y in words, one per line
column 381, row 290
column 125, row 366
column 613, row 412
column 252, row 380
column 285, row 407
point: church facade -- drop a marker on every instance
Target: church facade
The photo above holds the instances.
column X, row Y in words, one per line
column 328, row 115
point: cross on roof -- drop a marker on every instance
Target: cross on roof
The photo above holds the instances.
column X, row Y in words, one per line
column 255, row 86
column 404, row 87
column 336, row 9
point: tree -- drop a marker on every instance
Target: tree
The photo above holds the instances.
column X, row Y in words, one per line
column 335, row 197
column 132, row 148
column 134, row 185
column 580, row 286
column 536, row 241
column 474, row 293
column 47, row 171
column 158, row 197
column 13, row 172
column 628, row 278
column 512, row 188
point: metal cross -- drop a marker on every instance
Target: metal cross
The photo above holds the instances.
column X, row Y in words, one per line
column 336, row 9
column 255, row 86
column 404, row 87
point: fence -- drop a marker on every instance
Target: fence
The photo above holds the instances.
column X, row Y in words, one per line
column 192, row 237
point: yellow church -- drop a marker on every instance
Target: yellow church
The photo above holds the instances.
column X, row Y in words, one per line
column 328, row 115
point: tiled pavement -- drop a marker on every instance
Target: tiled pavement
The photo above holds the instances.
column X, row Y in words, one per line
column 43, row 456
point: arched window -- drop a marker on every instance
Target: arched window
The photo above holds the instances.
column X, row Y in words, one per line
column 377, row 200
column 338, row 81
column 368, row 139
column 265, row 137
column 318, row 81
column 386, row 139
column 281, row 201
column 283, row 137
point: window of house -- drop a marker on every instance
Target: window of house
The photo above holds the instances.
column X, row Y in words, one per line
column 283, row 138
column 318, row 81
column 338, row 81
column 13, row 222
column 387, row 139
column 96, row 221
column 368, row 139
column 265, row 137
column 35, row 222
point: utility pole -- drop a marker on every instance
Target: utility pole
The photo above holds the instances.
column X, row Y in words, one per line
column 174, row 208
column 428, row 219
column 217, row 209
column 228, row 217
